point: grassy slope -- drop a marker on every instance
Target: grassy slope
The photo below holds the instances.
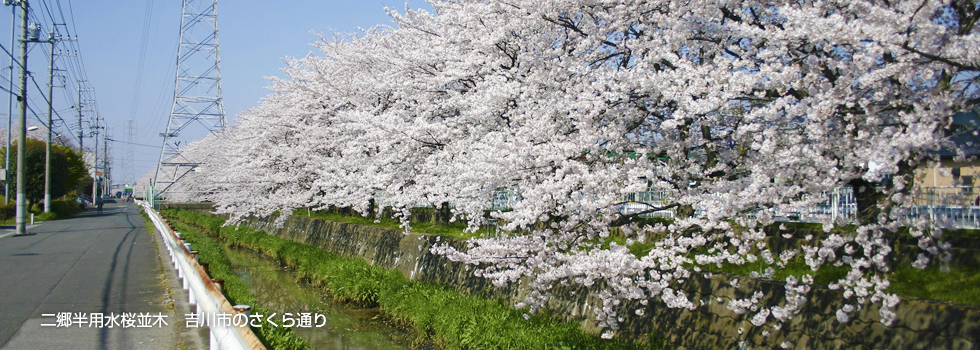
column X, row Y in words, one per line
column 952, row 284
column 211, row 251
column 471, row 323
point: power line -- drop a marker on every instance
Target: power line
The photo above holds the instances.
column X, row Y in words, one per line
column 147, row 17
column 47, row 100
column 8, row 91
column 134, row 144
column 12, row 58
column 47, row 10
column 165, row 97
column 75, row 68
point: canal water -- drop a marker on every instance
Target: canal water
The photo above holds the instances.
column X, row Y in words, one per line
column 347, row 327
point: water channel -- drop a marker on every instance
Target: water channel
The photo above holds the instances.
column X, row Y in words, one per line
column 347, row 327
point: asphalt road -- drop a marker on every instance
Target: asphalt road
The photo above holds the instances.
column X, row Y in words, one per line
column 102, row 264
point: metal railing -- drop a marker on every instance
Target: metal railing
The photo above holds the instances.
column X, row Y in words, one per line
column 955, row 206
column 947, row 196
column 204, row 293
column 642, row 201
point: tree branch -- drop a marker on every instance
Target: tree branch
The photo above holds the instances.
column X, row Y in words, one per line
column 938, row 58
column 625, row 219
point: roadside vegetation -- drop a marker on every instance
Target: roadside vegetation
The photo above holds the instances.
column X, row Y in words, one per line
column 163, row 279
column 432, row 227
column 211, row 251
column 438, row 316
column 62, row 208
column 69, row 175
column 947, row 282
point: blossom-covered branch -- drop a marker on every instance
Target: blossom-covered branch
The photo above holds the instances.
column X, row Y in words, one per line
column 735, row 110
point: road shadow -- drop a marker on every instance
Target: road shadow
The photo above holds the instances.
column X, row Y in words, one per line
column 106, row 211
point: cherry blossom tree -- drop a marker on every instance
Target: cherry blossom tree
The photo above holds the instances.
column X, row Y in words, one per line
column 737, row 110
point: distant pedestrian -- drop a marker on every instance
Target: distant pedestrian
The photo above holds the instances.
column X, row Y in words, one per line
column 99, row 203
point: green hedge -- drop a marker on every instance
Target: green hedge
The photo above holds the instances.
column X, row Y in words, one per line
column 8, row 211
column 65, row 208
column 60, row 209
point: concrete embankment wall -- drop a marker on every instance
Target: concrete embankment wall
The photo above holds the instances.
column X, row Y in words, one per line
column 921, row 323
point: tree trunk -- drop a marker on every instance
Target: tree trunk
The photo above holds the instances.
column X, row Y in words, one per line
column 870, row 202
column 867, row 199
column 684, row 211
column 444, row 213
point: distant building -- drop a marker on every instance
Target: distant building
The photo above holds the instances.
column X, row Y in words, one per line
column 952, row 182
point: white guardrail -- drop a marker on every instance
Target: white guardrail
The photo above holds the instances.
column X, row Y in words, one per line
column 205, row 294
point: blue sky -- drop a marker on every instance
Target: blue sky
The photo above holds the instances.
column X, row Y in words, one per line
column 254, row 38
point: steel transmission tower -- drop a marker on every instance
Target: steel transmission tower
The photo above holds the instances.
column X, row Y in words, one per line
column 198, row 107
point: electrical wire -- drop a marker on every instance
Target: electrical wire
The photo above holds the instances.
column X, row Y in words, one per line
column 147, row 19
column 12, row 58
column 134, row 144
column 46, row 99
column 75, row 67
column 8, row 91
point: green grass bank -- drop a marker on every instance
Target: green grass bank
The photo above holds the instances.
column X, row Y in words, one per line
column 955, row 283
column 438, row 316
column 921, row 323
column 211, row 251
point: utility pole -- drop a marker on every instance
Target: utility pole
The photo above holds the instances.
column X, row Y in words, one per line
column 95, row 163
column 81, row 128
column 21, row 222
column 47, row 147
column 129, row 175
column 105, row 162
column 10, row 103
